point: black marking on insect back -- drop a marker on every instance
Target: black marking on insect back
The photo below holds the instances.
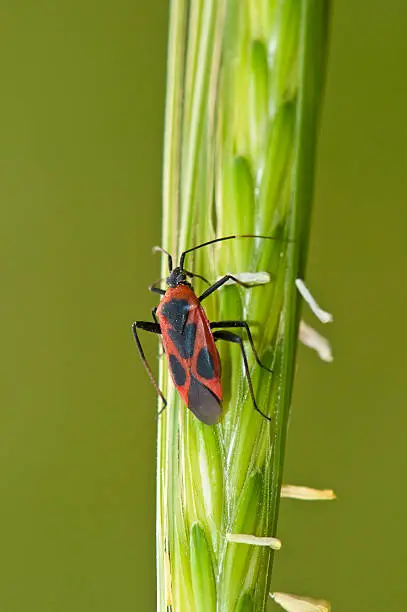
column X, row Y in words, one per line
column 178, row 371
column 176, row 313
column 184, row 342
column 204, row 364
column 189, row 335
column 203, row 403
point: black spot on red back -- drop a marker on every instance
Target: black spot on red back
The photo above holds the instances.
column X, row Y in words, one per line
column 177, row 370
column 176, row 313
column 204, row 364
column 184, row 342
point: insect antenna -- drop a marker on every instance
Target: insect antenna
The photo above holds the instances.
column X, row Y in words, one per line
column 204, row 244
column 158, row 249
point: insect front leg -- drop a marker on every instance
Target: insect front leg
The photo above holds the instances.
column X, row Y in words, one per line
column 219, row 284
column 153, row 314
column 193, row 275
column 243, row 325
column 231, row 337
column 154, row 289
column 155, row 329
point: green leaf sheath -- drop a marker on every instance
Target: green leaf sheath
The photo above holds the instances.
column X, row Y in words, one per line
column 243, row 90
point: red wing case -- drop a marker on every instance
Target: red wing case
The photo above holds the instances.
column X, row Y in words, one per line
column 191, row 352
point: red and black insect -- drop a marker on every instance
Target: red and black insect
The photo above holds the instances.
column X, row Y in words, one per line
column 189, row 340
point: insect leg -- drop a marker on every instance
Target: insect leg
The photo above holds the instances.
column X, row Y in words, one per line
column 155, row 329
column 153, row 314
column 193, row 275
column 154, row 289
column 244, row 325
column 219, row 284
column 153, row 311
column 231, row 337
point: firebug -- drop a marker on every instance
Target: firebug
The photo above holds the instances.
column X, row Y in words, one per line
column 189, row 339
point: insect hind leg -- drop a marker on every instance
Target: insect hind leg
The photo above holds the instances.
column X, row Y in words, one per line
column 155, row 329
column 229, row 336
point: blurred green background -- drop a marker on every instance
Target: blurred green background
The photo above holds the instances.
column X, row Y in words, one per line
column 81, row 112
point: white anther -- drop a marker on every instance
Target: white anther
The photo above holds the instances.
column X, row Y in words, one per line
column 306, row 493
column 310, row 337
column 322, row 315
column 244, row 538
column 294, row 603
column 249, row 278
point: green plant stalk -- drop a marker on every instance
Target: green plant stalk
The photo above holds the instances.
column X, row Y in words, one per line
column 243, row 91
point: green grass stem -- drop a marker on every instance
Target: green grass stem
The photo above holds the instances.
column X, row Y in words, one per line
column 243, row 93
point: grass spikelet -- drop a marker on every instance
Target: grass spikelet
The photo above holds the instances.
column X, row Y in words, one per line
column 244, row 84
